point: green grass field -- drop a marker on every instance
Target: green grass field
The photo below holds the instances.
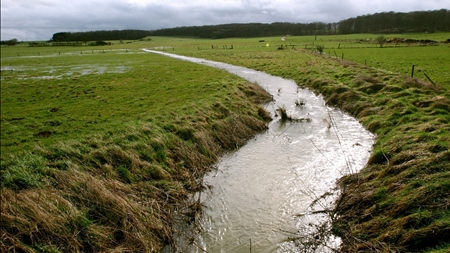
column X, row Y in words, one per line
column 98, row 150
column 362, row 48
column 88, row 133
column 46, row 100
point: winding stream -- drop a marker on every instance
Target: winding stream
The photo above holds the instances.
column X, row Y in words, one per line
column 259, row 194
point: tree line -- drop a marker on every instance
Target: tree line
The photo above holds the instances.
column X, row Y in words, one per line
column 395, row 22
column 100, row 35
column 386, row 22
column 249, row 30
column 381, row 23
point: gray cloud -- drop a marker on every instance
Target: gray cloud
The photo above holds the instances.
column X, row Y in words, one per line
column 40, row 19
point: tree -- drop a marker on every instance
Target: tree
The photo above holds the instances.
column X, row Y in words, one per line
column 12, row 42
column 380, row 40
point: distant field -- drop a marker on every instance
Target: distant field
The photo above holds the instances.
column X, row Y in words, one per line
column 432, row 59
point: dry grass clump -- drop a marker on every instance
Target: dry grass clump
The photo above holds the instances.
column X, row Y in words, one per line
column 282, row 112
column 82, row 214
column 409, row 82
column 233, row 132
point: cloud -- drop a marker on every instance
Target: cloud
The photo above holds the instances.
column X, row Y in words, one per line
column 40, row 19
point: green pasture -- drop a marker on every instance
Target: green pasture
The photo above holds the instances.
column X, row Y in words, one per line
column 100, row 145
column 430, row 59
column 56, row 97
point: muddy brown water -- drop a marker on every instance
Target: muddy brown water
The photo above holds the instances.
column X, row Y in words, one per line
column 260, row 195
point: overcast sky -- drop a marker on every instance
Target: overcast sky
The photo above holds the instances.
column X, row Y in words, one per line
column 40, row 19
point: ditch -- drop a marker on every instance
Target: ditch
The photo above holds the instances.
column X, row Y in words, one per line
column 265, row 196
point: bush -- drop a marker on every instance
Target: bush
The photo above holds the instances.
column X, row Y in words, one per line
column 320, row 48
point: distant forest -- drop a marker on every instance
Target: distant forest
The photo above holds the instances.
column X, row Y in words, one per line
column 100, row 35
column 385, row 23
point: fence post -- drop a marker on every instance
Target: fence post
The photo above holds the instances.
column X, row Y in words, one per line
column 429, row 79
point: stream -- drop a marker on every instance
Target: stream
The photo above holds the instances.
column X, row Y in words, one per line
column 260, row 195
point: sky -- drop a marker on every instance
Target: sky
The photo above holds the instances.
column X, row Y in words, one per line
column 28, row 20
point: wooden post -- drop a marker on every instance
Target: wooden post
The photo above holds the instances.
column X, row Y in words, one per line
column 335, row 53
column 429, row 79
column 412, row 71
column 342, row 56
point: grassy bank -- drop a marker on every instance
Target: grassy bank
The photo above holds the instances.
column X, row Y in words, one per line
column 99, row 150
column 400, row 201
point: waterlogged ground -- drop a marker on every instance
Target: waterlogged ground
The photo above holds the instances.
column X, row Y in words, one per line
column 57, row 65
column 260, row 195
column 59, row 72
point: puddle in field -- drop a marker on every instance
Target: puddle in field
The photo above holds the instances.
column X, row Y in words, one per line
column 260, row 195
column 59, row 72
